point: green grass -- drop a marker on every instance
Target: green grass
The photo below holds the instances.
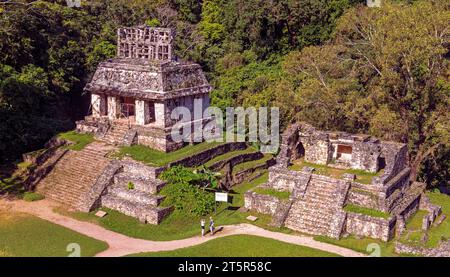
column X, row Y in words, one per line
column 250, row 164
column 28, row 236
column 415, row 222
column 158, row 158
column 362, row 176
column 441, row 232
column 229, row 155
column 79, row 140
column 242, row 246
column 361, row 245
column 414, row 232
column 178, row 225
column 32, row 196
column 366, row 211
column 282, row 195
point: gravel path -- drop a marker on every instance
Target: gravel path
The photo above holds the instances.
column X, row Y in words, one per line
column 120, row 245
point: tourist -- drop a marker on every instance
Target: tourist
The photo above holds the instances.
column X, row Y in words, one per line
column 202, row 223
column 211, row 225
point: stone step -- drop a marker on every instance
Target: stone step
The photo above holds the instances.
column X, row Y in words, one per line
column 307, row 227
column 74, row 175
column 135, row 196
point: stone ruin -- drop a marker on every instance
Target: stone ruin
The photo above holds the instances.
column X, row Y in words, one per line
column 134, row 94
column 317, row 202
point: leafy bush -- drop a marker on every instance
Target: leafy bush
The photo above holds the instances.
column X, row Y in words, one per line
column 32, row 196
column 130, row 186
column 184, row 191
column 189, row 199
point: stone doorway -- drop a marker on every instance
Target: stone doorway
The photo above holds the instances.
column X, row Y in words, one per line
column 127, row 107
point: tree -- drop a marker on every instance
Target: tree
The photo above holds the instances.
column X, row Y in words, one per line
column 386, row 72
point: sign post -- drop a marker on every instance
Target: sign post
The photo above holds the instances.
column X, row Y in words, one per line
column 220, row 197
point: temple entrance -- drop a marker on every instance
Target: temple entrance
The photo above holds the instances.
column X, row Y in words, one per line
column 127, row 107
column 299, row 151
column 344, row 153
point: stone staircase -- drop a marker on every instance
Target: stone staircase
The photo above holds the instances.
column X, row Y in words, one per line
column 319, row 211
column 141, row 201
column 116, row 134
column 74, row 174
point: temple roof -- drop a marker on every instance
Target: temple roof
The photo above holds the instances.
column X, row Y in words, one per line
column 144, row 72
column 148, row 79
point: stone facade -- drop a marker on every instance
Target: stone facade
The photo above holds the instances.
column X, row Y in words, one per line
column 142, row 87
column 317, row 201
column 369, row 226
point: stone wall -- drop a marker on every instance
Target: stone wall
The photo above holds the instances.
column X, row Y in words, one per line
column 317, row 148
column 369, row 226
column 242, row 158
column 433, row 212
column 287, row 180
column 443, row 250
column 209, row 154
column 264, row 204
column 365, row 155
column 363, row 198
column 396, row 160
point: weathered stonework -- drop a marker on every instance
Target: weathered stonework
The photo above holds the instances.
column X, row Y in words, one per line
column 141, row 88
column 317, row 202
column 369, row 226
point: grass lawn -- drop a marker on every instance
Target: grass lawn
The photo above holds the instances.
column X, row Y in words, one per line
column 230, row 155
column 435, row 234
column 242, row 246
column 158, row 158
column 362, row 245
column 282, row 195
column 178, row 225
column 363, row 177
column 28, row 236
column 80, row 140
column 366, row 211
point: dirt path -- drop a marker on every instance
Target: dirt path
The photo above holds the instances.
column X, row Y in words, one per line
column 120, row 245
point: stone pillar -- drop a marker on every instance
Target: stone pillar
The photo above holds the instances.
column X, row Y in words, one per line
column 160, row 114
column 113, row 107
column 98, row 103
column 142, row 112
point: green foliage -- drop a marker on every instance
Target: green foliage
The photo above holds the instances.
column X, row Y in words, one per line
column 32, row 196
column 130, row 186
column 185, row 193
column 188, row 199
column 154, row 22
column 79, row 141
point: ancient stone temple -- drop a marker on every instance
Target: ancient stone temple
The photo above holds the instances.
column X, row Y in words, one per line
column 134, row 94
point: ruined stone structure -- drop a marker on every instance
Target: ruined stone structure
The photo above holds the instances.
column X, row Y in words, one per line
column 134, row 94
column 317, row 202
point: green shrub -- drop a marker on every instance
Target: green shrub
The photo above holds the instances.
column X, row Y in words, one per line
column 32, row 196
column 189, row 199
column 185, row 191
column 130, row 186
